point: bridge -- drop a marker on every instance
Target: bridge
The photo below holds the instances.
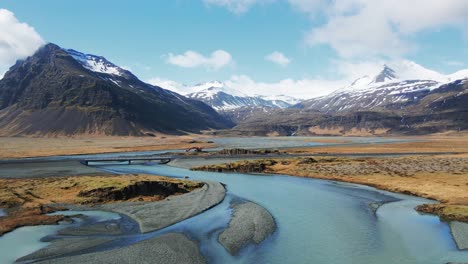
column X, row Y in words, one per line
column 128, row 159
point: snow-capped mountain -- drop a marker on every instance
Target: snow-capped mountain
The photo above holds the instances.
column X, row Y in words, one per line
column 223, row 98
column 96, row 63
column 394, row 87
column 281, row 98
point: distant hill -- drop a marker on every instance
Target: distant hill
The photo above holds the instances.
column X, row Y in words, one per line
column 66, row 92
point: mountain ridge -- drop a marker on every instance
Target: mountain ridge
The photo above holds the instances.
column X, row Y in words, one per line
column 53, row 93
column 222, row 98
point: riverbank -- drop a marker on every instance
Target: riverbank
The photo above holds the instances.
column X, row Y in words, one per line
column 441, row 178
column 26, row 147
column 29, row 201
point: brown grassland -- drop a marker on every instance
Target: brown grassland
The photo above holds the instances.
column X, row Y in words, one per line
column 29, row 200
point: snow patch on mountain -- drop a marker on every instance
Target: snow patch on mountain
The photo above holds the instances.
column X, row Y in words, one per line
column 95, row 63
column 281, row 97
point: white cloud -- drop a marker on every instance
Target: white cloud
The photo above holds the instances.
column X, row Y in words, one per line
column 170, row 85
column 192, row 59
column 303, row 88
column 278, row 58
column 235, row 6
column 350, row 71
column 370, row 28
column 17, row 40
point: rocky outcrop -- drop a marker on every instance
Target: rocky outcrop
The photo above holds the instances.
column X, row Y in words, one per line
column 138, row 189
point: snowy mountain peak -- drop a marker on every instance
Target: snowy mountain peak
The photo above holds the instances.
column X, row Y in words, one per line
column 96, row 63
column 211, row 89
column 398, row 84
column 387, row 74
column 207, row 85
column 224, row 98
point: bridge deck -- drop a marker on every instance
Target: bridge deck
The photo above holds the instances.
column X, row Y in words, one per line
column 163, row 160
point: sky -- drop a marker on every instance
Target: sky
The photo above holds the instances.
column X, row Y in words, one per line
column 303, row 48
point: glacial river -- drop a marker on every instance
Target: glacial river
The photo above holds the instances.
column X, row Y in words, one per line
column 317, row 222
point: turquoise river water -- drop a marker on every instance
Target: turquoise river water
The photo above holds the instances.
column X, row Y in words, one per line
column 317, row 222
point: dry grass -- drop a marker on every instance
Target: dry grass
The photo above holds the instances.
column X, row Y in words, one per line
column 21, row 147
column 29, row 200
column 45, row 191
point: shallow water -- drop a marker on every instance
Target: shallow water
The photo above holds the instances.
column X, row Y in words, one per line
column 26, row 240
column 320, row 222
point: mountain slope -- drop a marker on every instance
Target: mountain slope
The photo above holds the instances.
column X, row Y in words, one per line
column 65, row 92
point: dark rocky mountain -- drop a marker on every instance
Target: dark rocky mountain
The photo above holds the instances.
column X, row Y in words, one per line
column 65, row 92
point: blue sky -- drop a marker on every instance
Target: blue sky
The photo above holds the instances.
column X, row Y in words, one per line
column 313, row 38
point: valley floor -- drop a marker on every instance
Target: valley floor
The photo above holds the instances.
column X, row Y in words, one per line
column 24, row 147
